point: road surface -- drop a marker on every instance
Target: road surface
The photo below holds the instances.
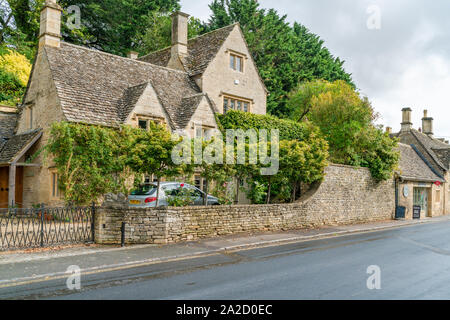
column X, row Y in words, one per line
column 414, row 263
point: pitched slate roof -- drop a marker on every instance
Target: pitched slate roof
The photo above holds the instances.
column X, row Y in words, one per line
column 201, row 51
column 437, row 150
column 16, row 144
column 432, row 145
column 129, row 99
column 413, row 167
column 99, row 88
column 7, row 125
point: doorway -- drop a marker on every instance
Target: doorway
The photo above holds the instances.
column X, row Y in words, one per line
column 4, row 187
column 4, row 174
column 421, row 199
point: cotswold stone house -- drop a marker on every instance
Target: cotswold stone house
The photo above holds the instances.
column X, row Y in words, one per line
column 182, row 86
column 424, row 169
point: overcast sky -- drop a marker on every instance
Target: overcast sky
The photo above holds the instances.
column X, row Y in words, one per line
column 404, row 63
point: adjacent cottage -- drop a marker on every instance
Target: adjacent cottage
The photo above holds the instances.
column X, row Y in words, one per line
column 182, row 87
column 424, row 169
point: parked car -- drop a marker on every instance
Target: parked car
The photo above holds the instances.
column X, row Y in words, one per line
column 145, row 196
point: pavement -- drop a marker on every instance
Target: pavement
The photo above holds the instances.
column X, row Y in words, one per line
column 22, row 268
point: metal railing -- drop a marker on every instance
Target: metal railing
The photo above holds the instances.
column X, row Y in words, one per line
column 45, row 227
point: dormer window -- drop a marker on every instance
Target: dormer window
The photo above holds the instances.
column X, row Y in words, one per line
column 144, row 121
column 143, row 124
column 237, row 62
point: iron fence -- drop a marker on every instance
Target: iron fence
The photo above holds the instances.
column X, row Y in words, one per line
column 45, row 227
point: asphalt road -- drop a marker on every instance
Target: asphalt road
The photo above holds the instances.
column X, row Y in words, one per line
column 414, row 263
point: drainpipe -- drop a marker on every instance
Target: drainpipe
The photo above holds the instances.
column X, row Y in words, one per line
column 396, row 195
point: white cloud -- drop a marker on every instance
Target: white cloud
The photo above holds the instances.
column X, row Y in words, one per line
column 406, row 63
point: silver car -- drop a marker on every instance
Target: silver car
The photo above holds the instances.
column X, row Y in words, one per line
column 145, row 196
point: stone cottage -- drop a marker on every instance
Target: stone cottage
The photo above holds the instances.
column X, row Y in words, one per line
column 182, row 86
column 424, row 170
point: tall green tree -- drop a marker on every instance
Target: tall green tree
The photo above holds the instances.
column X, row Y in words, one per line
column 89, row 160
column 158, row 34
column 150, row 152
column 114, row 25
column 347, row 121
column 284, row 54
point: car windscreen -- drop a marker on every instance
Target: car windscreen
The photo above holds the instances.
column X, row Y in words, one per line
column 144, row 190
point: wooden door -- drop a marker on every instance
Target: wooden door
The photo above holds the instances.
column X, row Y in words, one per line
column 4, row 174
column 19, row 186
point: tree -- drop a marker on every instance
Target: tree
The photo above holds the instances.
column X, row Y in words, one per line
column 346, row 120
column 209, row 160
column 284, row 55
column 89, row 160
column 150, row 152
column 302, row 162
column 158, row 34
column 114, row 25
column 14, row 73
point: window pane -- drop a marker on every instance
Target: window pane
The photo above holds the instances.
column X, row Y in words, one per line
column 143, row 124
column 245, row 106
column 239, row 64
column 198, row 182
column 53, row 185
column 225, row 105
column 232, row 104
column 198, row 132
column 239, row 105
column 232, row 62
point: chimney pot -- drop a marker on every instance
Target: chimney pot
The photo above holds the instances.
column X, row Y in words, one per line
column 406, row 119
column 427, row 124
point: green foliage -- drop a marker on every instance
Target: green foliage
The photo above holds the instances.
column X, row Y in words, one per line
column 285, row 55
column 289, row 130
column 14, row 73
column 114, row 25
column 150, row 151
column 303, row 155
column 346, row 120
column 89, row 159
column 182, row 198
column 20, row 18
column 159, row 31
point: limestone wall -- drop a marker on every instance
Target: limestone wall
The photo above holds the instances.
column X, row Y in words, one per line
column 347, row 196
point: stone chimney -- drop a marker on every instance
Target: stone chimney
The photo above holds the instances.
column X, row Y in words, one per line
column 50, row 25
column 427, row 124
column 179, row 40
column 406, row 119
column 133, row 55
column 388, row 130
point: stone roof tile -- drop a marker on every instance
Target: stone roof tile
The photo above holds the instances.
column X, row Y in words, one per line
column 15, row 145
column 95, row 87
column 201, row 51
column 412, row 167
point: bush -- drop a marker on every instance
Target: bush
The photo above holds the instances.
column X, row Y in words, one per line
column 289, row 130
